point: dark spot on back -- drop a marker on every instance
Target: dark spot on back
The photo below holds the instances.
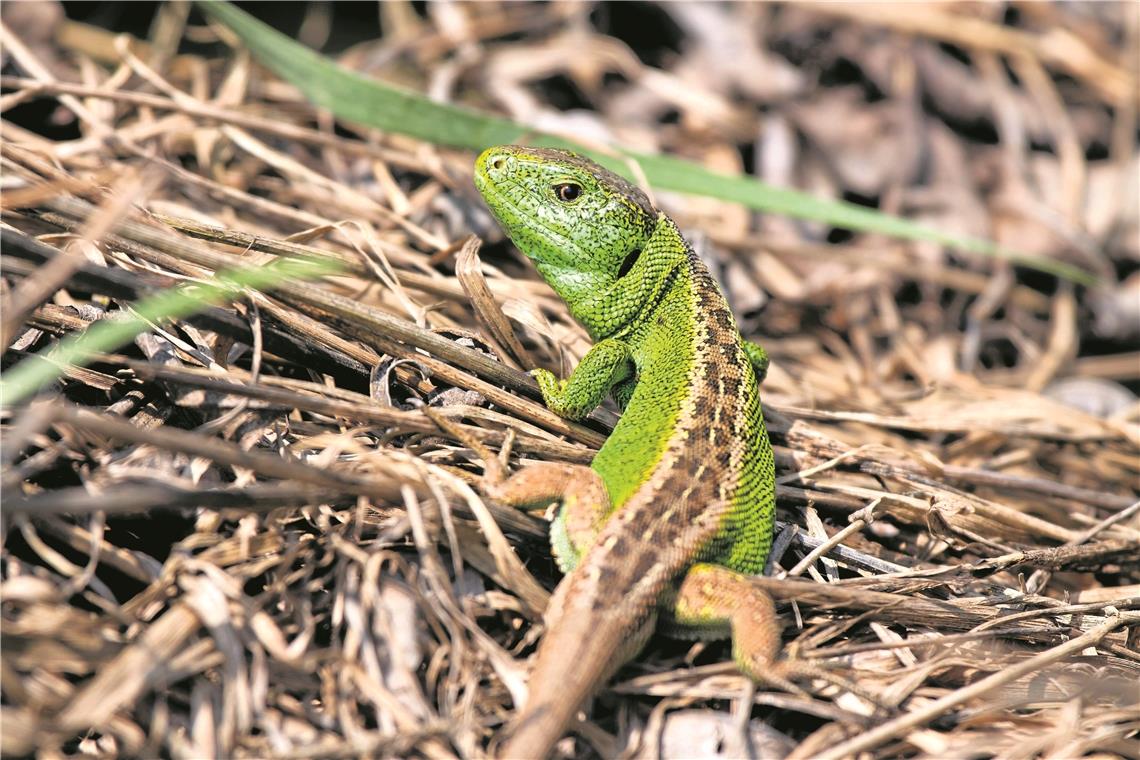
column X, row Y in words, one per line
column 606, row 576
column 644, row 564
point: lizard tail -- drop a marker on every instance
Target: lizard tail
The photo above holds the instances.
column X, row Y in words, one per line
column 575, row 656
column 563, row 678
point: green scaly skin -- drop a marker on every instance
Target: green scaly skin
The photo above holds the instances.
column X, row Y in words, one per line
column 677, row 507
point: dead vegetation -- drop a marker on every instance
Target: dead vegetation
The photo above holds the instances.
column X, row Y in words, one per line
column 238, row 536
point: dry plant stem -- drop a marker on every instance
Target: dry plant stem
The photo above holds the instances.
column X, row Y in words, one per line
column 28, row 61
column 385, row 488
column 428, row 283
column 192, row 107
column 340, row 194
column 1061, row 557
column 1054, row 608
column 238, row 198
column 221, row 452
column 899, row 727
column 848, row 556
column 1124, row 514
column 144, row 497
column 722, row 681
column 955, row 614
column 1036, row 485
column 858, row 521
column 857, row 454
column 302, row 345
column 1039, row 578
column 364, row 410
column 351, row 201
column 947, row 426
column 387, row 331
column 470, row 276
column 820, row 444
column 984, row 515
column 1122, row 366
column 1062, row 341
column 944, row 641
column 32, row 196
column 894, row 260
column 51, row 277
column 122, row 681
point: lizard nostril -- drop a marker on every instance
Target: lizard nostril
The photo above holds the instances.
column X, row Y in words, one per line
column 497, row 163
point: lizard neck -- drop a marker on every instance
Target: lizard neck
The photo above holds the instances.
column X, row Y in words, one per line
column 610, row 306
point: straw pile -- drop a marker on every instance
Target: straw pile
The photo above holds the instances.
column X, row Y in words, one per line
column 239, row 536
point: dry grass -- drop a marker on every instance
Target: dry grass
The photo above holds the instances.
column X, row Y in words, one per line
column 239, row 536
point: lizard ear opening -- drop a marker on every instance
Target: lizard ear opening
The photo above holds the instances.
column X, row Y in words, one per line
column 630, row 260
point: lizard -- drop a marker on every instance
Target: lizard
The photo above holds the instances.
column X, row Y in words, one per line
column 677, row 508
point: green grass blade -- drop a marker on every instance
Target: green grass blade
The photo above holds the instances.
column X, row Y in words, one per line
column 356, row 98
column 77, row 350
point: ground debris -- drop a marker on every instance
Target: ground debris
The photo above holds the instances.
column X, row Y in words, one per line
column 240, row 536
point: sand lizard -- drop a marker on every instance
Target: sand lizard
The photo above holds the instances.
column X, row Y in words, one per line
column 677, row 508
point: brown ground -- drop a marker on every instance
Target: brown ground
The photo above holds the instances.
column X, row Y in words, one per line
column 237, row 536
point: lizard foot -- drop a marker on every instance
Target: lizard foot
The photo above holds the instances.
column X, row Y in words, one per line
column 715, row 597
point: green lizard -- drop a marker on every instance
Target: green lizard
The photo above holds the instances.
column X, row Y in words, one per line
column 677, row 508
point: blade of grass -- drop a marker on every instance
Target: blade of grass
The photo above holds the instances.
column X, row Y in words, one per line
column 355, row 98
column 35, row 372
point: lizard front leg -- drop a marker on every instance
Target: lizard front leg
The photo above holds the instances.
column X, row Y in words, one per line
column 584, row 500
column 757, row 357
column 583, row 497
column 604, row 366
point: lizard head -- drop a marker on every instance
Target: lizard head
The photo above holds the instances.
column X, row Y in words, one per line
column 582, row 225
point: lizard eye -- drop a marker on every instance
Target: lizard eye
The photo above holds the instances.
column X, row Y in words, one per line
column 568, row 192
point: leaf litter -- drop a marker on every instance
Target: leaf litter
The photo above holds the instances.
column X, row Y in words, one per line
column 240, row 535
